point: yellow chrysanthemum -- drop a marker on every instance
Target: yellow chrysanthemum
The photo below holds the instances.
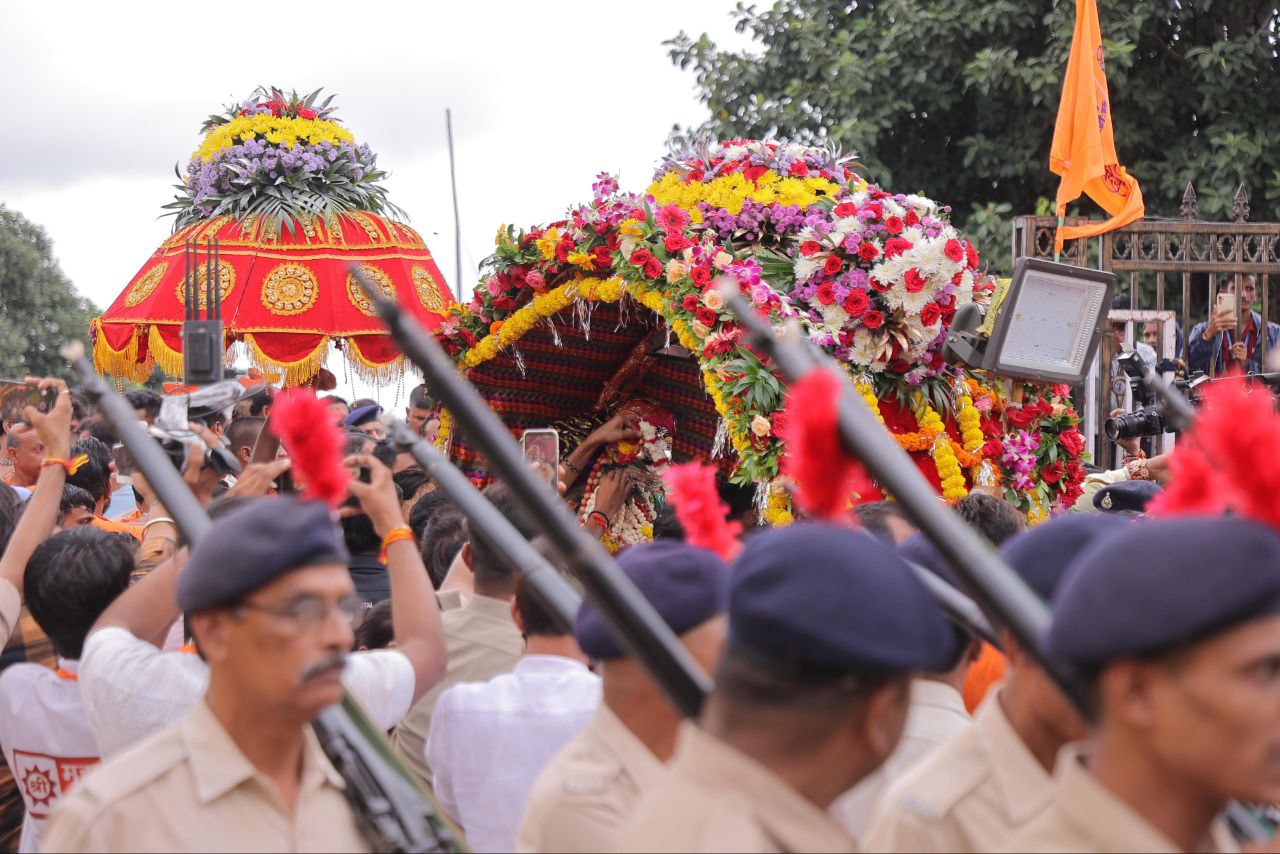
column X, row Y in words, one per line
column 275, row 129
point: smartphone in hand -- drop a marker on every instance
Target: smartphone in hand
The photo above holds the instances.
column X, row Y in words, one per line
column 16, row 396
column 542, row 453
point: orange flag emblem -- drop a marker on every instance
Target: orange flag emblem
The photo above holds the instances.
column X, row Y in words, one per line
column 1084, row 151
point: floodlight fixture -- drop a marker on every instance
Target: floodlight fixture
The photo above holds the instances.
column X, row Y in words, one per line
column 1046, row 327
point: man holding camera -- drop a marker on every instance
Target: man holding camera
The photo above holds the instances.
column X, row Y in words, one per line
column 1220, row 342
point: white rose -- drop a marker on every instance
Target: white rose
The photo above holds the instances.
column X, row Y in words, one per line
column 761, row 426
column 712, row 300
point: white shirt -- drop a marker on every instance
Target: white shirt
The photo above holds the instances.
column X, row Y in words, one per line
column 936, row 714
column 132, row 689
column 46, row 740
column 489, row 741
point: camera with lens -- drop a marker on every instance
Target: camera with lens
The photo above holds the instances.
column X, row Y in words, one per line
column 173, row 426
column 1149, row 418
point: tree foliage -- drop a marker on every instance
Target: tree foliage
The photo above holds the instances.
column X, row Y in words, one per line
column 41, row 308
column 957, row 99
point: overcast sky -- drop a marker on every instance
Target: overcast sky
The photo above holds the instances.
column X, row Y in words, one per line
column 101, row 100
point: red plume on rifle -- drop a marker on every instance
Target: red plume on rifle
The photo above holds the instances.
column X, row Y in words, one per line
column 700, row 511
column 825, row 476
column 1223, row 463
column 315, row 443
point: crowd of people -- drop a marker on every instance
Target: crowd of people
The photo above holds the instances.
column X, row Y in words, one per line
column 156, row 696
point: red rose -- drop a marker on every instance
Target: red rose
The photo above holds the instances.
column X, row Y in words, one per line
column 306, row 114
column 873, row 319
column 504, row 303
column 780, row 423
column 810, row 247
column 676, row 243
column 706, row 316
column 1020, row 417
column 826, row 293
column 971, row 254
column 879, row 285
column 856, row 303
column 846, row 209
column 893, row 225
column 799, row 169
column 604, row 256
column 876, row 209
column 953, row 250
column 832, row 265
column 912, row 218
column 1051, row 473
column 640, row 257
column 689, row 303
column 914, row 282
column 868, row 252
column 653, row 268
column 895, row 246
column 1072, row 441
column 563, row 248
column 930, row 314
column 701, row 275
column 992, row 449
column 1074, row 471
column 754, row 173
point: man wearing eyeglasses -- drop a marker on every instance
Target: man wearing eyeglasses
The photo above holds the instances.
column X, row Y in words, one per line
column 270, row 603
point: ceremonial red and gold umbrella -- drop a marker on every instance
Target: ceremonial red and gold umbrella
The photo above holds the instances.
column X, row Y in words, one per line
column 291, row 200
column 287, row 298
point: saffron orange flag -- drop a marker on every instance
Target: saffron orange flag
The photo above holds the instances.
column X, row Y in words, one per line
column 1084, row 151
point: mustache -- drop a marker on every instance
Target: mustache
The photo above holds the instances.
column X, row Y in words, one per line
column 324, row 667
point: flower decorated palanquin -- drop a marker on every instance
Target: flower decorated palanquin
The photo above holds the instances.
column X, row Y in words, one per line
column 291, row 200
column 568, row 312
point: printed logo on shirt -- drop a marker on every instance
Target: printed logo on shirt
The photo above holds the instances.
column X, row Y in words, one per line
column 44, row 779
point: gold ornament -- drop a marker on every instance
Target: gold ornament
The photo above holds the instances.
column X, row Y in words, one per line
column 359, row 298
column 428, row 291
column 289, row 289
column 226, row 281
column 142, row 288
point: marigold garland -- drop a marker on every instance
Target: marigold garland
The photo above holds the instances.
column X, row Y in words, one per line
column 777, row 510
column 729, row 192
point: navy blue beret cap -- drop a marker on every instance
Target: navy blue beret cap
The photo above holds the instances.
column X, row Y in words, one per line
column 686, row 586
column 363, row 415
column 255, row 544
column 1042, row 554
column 825, row 600
column 1126, row 495
column 1163, row 584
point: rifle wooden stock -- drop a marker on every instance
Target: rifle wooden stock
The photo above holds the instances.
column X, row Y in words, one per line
column 639, row 628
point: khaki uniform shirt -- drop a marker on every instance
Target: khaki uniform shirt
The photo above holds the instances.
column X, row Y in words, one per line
column 588, row 791
column 190, row 788
column 1085, row 816
column 970, row 795
column 482, row 641
column 715, row 798
column 937, row 715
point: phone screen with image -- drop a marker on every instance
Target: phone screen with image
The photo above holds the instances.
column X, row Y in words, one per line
column 542, row 453
column 16, row 396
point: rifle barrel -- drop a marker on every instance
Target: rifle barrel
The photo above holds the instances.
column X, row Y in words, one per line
column 548, row 585
column 638, row 625
column 996, row 587
column 152, row 461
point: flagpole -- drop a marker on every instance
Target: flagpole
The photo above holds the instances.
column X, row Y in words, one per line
column 457, row 222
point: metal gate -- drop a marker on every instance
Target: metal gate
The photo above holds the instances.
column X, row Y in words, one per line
column 1167, row 272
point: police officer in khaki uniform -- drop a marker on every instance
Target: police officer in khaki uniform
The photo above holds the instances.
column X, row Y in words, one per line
column 996, row 776
column 589, row 790
column 271, row 603
column 1178, row 623
column 825, row 627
